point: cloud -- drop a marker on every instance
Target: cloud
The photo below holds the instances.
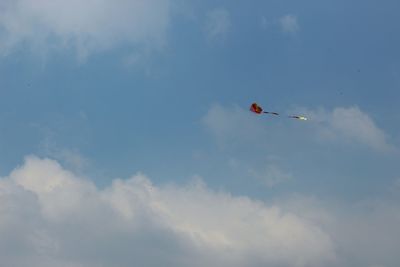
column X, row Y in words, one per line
column 355, row 124
column 233, row 125
column 51, row 217
column 218, row 24
column 272, row 175
column 70, row 158
column 269, row 173
column 350, row 124
column 289, row 24
column 370, row 233
column 85, row 26
column 365, row 233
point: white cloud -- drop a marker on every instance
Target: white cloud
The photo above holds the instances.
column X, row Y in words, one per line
column 218, row 24
column 272, row 175
column 357, row 125
column 350, row 124
column 365, row 233
column 289, row 24
column 68, row 157
column 51, row 217
column 269, row 173
column 86, row 26
column 370, row 233
column 233, row 125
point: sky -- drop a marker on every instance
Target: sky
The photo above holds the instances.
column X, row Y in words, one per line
column 126, row 137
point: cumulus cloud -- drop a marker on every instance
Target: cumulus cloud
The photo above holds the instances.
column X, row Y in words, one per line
column 289, row 24
column 232, row 125
column 370, row 233
column 272, row 175
column 350, row 124
column 218, row 24
column 51, row 217
column 86, row 26
column 341, row 124
column 357, row 125
column 365, row 232
column 235, row 127
column 269, row 173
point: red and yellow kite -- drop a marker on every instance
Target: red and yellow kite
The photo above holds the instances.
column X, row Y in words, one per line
column 258, row 110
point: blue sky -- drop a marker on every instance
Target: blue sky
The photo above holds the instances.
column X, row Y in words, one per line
column 162, row 88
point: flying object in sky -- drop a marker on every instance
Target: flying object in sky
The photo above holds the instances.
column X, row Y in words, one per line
column 259, row 110
column 298, row 117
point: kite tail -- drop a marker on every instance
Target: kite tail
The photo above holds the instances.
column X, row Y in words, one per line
column 269, row 112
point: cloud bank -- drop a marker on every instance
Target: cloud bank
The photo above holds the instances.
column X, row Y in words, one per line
column 51, row 217
column 86, row 26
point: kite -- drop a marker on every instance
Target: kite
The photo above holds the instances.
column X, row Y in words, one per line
column 255, row 108
column 258, row 110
